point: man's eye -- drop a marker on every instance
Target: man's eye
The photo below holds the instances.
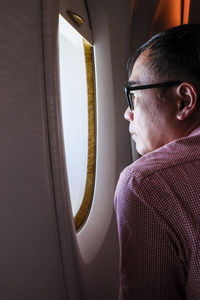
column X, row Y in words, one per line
column 132, row 95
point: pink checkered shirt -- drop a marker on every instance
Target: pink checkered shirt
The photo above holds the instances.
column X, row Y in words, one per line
column 157, row 203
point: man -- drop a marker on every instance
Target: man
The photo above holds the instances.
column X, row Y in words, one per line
column 157, row 199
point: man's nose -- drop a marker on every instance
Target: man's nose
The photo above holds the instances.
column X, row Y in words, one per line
column 128, row 115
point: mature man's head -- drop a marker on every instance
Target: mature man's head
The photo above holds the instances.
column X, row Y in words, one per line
column 166, row 67
column 174, row 53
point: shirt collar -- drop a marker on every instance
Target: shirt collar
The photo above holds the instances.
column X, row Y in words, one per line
column 195, row 131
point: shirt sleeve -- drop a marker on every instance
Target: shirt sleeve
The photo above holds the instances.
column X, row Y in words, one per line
column 149, row 266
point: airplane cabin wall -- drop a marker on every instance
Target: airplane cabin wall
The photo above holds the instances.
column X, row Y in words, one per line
column 31, row 264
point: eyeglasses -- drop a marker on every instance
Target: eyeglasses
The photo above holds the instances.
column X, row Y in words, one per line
column 129, row 89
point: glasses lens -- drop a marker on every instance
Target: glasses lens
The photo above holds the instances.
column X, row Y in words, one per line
column 128, row 97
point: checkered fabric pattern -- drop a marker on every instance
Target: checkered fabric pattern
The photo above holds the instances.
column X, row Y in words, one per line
column 157, row 202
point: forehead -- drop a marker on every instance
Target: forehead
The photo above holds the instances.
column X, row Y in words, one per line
column 141, row 73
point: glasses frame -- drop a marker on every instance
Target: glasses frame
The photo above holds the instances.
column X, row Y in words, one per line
column 129, row 89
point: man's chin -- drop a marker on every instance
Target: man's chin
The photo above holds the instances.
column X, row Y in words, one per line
column 139, row 149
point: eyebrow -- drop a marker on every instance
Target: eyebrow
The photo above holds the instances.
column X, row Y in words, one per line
column 131, row 83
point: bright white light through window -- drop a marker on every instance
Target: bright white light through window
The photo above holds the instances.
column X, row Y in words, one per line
column 74, row 104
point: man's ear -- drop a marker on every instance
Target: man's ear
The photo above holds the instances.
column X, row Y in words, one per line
column 187, row 100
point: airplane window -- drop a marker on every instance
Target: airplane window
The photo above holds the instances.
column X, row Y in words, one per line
column 78, row 117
